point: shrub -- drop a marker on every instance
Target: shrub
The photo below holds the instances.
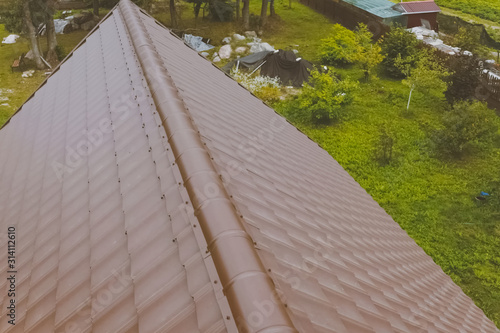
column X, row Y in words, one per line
column 322, row 100
column 464, row 80
column 465, row 126
column 398, row 43
column 339, row 48
column 368, row 54
column 385, row 146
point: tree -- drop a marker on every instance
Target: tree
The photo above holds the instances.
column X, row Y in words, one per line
column 466, row 125
column 51, row 56
column 465, row 78
column 32, row 35
column 96, row 7
column 263, row 13
column 368, row 55
column 427, row 76
column 245, row 12
column 398, row 43
column 339, row 48
column 272, row 12
column 173, row 15
column 323, row 99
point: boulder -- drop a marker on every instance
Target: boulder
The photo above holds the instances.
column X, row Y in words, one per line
column 204, row 54
column 251, row 34
column 240, row 49
column 259, row 47
column 68, row 28
column 217, row 59
column 238, row 37
column 83, row 17
column 225, row 52
column 226, row 40
column 88, row 25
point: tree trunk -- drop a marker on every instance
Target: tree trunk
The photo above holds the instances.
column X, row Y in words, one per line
column 32, row 35
column 237, row 10
column 96, row 7
column 173, row 15
column 263, row 13
column 271, row 8
column 246, row 14
column 52, row 58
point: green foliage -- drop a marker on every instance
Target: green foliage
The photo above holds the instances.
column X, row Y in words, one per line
column 323, row 99
column 469, row 40
column 340, row 47
column 398, row 44
column 368, row 54
column 465, row 127
column 11, row 16
column 487, row 9
column 426, row 77
column 464, row 80
column 385, row 147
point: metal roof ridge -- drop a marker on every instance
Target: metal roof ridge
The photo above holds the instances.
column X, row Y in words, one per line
column 246, row 284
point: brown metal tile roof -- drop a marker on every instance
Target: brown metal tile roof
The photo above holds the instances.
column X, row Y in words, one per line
column 198, row 210
column 419, row 7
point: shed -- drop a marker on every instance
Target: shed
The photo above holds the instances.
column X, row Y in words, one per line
column 420, row 13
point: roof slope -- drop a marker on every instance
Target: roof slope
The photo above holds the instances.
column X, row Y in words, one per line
column 380, row 8
column 108, row 248
column 419, row 7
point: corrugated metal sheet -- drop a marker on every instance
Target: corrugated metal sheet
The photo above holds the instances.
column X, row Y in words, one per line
column 102, row 245
column 416, row 7
column 380, row 8
column 112, row 243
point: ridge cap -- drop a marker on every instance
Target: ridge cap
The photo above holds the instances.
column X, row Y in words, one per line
column 244, row 279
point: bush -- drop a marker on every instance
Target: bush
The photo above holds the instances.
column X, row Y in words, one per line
column 398, row 44
column 368, row 54
column 339, row 48
column 322, row 100
column 465, row 126
column 464, row 80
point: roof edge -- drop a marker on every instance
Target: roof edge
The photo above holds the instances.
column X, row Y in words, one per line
column 56, row 68
column 244, row 279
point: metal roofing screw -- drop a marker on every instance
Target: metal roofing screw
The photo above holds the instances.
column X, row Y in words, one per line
column 215, row 281
column 228, row 317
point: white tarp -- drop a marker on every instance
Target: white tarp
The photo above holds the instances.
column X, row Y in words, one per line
column 10, row 39
column 196, row 43
column 59, row 25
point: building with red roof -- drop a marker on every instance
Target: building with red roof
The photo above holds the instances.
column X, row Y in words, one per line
column 420, row 13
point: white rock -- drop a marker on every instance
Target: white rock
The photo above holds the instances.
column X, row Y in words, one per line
column 225, row 52
column 216, row 59
column 295, row 51
column 240, row 49
column 239, row 37
column 226, row 40
column 10, row 39
column 259, row 47
column 251, row 34
column 204, row 54
column 28, row 73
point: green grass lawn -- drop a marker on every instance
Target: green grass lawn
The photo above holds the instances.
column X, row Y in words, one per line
column 297, row 28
